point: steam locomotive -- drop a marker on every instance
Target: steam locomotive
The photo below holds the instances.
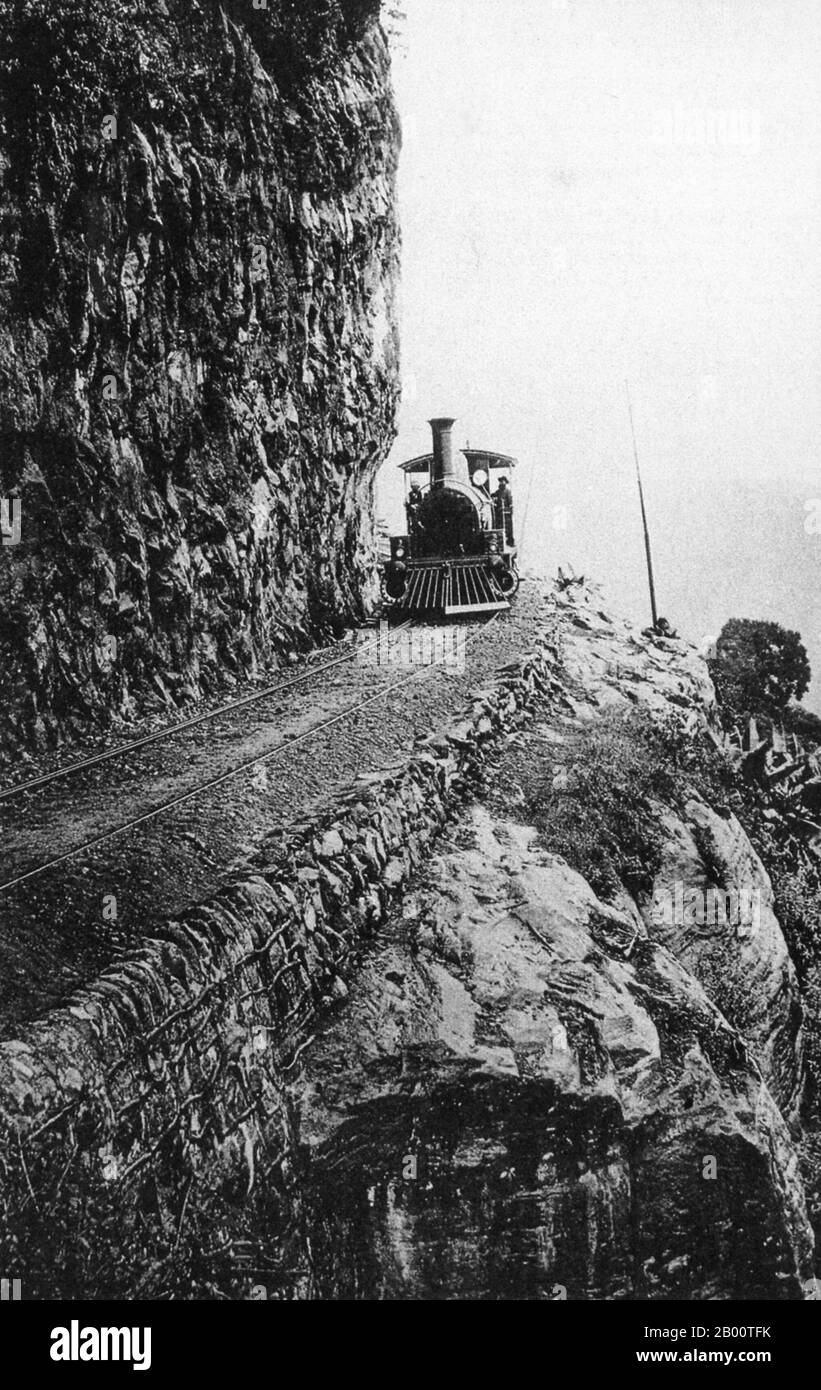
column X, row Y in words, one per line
column 458, row 555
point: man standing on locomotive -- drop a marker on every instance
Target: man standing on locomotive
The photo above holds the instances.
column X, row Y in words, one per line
column 503, row 509
column 413, row 505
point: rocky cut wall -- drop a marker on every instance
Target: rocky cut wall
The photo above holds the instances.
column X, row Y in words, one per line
column 198, row 347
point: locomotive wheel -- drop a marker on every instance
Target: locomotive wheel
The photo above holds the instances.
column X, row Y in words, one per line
column 507, row 582
column 395, row 586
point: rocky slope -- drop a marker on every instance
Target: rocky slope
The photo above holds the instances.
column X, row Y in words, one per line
column 534, row 1093
column 749, row 973
column 198, row 352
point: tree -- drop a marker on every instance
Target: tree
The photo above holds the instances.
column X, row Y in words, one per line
column 759, row 667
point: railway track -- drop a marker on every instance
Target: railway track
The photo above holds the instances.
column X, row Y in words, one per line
column 111, row 754
column 157, row 828
column 277, row 753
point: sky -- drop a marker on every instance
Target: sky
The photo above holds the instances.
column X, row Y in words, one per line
column 601, row 191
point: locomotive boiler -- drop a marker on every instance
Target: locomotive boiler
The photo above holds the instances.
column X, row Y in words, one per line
column 458, row 553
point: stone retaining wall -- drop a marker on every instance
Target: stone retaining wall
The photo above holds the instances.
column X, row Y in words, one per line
column 165, row 1079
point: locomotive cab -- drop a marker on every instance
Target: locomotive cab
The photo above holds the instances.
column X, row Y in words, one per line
column 458, row 555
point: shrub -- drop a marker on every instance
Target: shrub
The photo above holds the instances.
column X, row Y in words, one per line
column 797, row 902
column 804, row 724
column 605, row 820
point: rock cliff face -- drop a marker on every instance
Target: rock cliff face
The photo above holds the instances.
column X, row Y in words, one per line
column 745, row 966
column 514, row 1105
column 198, row 353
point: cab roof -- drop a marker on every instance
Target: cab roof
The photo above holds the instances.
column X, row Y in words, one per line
column 477, row 458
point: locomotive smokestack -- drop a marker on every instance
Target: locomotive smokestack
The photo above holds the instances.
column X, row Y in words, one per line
column 444, row 464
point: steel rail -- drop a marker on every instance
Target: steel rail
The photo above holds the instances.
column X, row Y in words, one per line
column 109, row 754
column 277, row 751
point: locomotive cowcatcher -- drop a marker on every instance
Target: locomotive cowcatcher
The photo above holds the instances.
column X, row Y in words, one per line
column 458, row 555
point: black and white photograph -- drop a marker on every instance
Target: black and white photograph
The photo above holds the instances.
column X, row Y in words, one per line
column 410, row 671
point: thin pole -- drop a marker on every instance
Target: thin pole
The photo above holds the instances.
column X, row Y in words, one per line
column 523, row 531
column 643, row 513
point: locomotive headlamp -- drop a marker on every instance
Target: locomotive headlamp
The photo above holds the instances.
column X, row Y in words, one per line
column 400, row 552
